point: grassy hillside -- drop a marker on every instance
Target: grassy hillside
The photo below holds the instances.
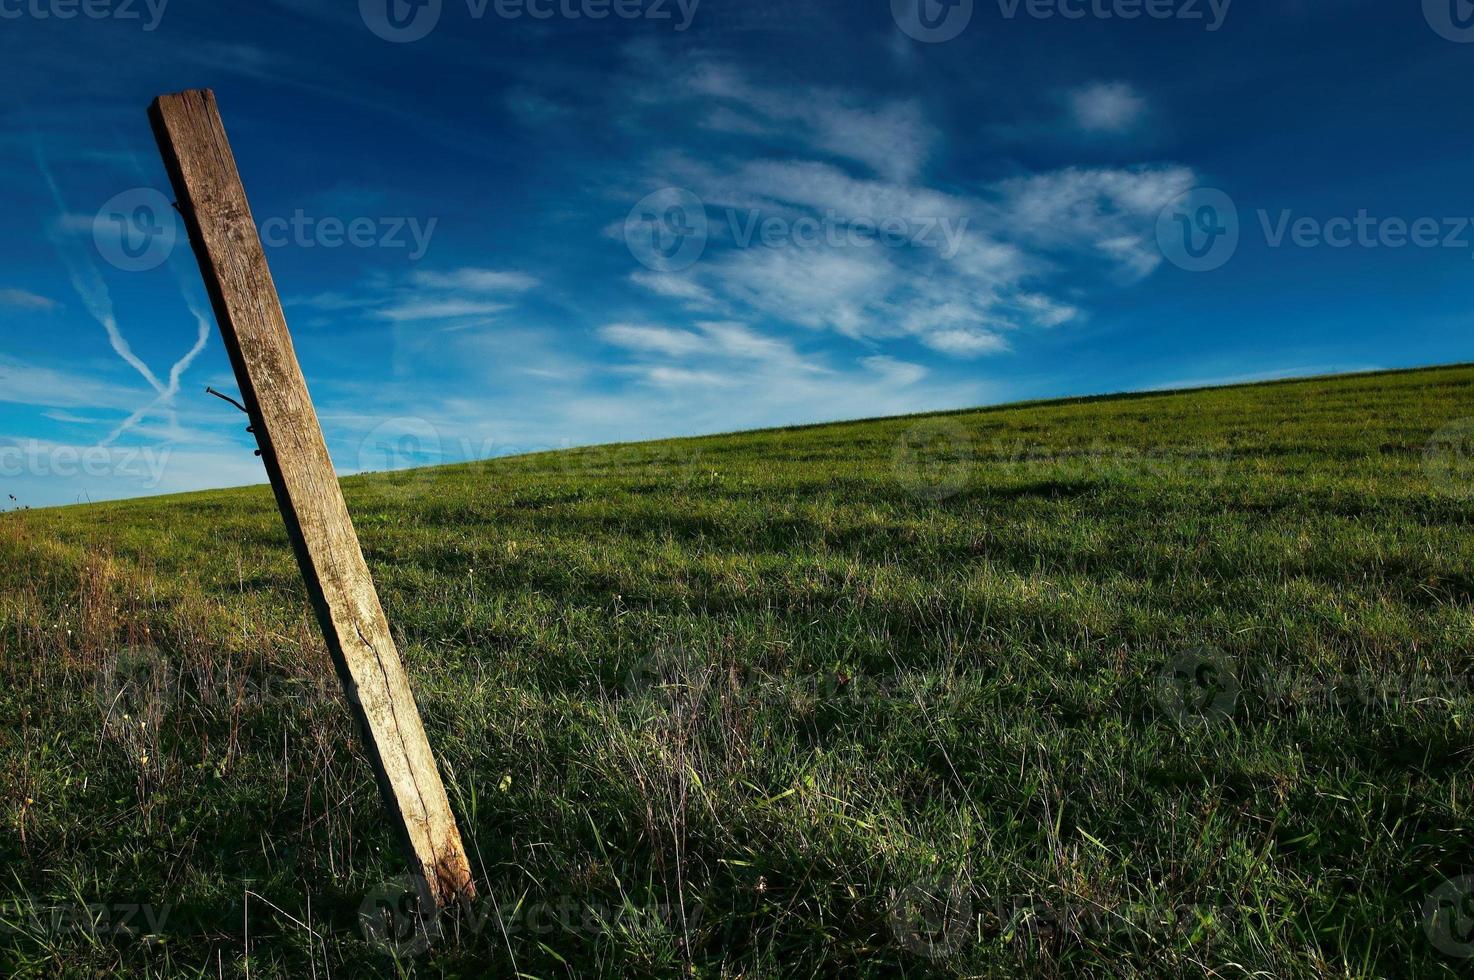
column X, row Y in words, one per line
column 1171, row 685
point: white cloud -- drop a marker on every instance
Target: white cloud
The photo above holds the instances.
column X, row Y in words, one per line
column 964, row 342
column 894, row 372
column 1106, row 107
column 24, row 300
column 893, row 139
column 439, row 309
column 456, row 294
column 719, row 341
column 477, row 280
column 659, row 340
column 30, row 384
column 963, row 263
column 681, row 377
column 1109, row 211
column 975, row 263
column 818, row 288
column 738, row 341
column 674, row 286
column 1046, row 312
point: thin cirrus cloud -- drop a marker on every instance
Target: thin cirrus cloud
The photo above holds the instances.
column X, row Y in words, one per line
column 763, row 378
column 891, row 138
column 427, row 295
column 657, row 340
column 439, row 309
column 720, row 341
column 477, row 280
column 24, row 383
column 22, row 299
column 971, row 265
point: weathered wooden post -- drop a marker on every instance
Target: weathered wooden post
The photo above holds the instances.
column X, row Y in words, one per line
column 223, row 233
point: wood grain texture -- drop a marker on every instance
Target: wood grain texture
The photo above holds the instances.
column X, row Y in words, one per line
column 202, row 169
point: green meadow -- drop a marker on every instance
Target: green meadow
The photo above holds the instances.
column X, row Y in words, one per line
column 1165, row 685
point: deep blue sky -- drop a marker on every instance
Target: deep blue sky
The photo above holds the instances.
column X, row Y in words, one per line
column 526, row 315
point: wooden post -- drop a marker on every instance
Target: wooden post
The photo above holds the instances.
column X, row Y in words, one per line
column 223, row 233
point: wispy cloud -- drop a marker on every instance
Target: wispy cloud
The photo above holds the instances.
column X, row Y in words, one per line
column 27, row 383
column 972, row 263
column 22, row 299
column 1106, row 107
column 439, row 309
column 662, row 340
column 464, row 296
column 892, row 138
column 92, row 290
column 477, row 280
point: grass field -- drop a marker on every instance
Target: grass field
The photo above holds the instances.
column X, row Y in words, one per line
column 1169, row 685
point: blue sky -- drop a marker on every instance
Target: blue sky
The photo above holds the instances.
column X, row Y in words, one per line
column 499, row 227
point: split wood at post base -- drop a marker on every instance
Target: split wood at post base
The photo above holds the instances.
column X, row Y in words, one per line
column 202, row 169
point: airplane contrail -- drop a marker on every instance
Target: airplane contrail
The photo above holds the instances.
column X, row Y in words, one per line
column 88, row 283
column 92, row 290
